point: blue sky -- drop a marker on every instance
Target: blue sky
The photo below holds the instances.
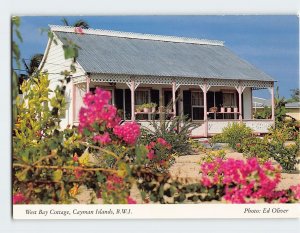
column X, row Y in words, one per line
column 271, row 43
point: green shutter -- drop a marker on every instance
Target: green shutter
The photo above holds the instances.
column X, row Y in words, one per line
column 187, row 105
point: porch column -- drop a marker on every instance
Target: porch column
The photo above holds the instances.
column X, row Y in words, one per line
column 174, row 97
column 73, row 102
column 273, row 102
column 205, row 109
column 132, row 88
column 240, row 91
column 88, row 80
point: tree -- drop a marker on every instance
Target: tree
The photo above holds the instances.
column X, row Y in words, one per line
column 280, row 110
column 34, row 63
column 79, row 23
column 295, row 97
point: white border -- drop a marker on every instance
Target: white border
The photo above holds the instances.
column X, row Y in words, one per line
column 159, row 211
column 117, row 7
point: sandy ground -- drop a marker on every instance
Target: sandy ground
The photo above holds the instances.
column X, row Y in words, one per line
column 185, row 170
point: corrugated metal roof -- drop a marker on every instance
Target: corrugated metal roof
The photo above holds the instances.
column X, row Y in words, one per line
column 293, row 105
column 119, row 55
column 261, row 102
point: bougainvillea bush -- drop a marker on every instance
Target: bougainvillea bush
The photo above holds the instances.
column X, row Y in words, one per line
column 50, row 163
column 247, row 181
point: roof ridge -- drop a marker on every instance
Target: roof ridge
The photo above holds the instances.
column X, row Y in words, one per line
column 133, row 35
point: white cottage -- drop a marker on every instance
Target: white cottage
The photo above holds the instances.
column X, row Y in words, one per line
column 213, row 85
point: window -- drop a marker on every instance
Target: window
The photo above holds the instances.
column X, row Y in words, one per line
column 142, row 97
column 197, row 98
column 197, row 105
column 229, row 100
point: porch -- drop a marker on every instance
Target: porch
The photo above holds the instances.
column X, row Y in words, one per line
column 212, row 103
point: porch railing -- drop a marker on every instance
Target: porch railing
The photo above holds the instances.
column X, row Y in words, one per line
column 258, row 126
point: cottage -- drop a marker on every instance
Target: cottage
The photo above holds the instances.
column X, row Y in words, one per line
column 196, row 77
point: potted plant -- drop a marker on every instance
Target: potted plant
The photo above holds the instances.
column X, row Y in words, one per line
column 153, row 107
column 138, row 108
column 213, row 109
column 222, row 108
column 228, row 109
column 146, row 108
column 236, row 109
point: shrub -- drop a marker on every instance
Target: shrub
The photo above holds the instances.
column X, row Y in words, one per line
column 256, row 147
column 49, row 164
column 246, row 181
column 175, row 131
column 233, row 134
column 212, row 155
column 159, row 156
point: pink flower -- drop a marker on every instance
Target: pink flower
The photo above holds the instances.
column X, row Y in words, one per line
column 283, row 200
column 19, row 198
column 103, row 139
column 79, row 30
column 97, row 111
column 130, row 200
column 129, row 132
column 243, row 182
column 296, row 191
column 151, row 155
column 163, row 142
column 78, row 172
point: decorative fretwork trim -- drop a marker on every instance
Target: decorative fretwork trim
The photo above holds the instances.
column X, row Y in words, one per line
column 79, row 79
column 179, row 81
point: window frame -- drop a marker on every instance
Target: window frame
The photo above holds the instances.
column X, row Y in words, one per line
column 196, row 106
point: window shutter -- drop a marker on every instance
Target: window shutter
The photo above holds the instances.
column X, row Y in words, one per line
column 127, row 104
column 154, row 96
column 119, row 99
column 187, row 105
column 219, row 99
column 210, row 100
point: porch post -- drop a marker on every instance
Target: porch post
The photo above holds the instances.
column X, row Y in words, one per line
column 174, row 97
column 273, row 102
column 88, row 80
column 73, row 102
column 132, row 87
column 240, row 102
column 205, row 109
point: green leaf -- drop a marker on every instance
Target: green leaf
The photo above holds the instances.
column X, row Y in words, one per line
column 69, row 51
column 22, row 175
column 141, row 153
column 73, row 68
column 57, row 175
column 16, row 20
column 19, row 35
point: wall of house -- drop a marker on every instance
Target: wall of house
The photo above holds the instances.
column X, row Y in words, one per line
column 54, row 64
column 247, row 103
column 293, row 112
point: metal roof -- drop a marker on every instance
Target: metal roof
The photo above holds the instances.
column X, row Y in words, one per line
column 293, row 105
column 261, row 102
column 110, row 53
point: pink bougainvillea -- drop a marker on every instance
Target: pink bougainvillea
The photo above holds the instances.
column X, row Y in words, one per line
column 243, row 181
column 102, row 139
column 98, row 112
column 154, row 148
column 296, row 190
column 19, row 198
column 128, row 132
column 130, row 200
